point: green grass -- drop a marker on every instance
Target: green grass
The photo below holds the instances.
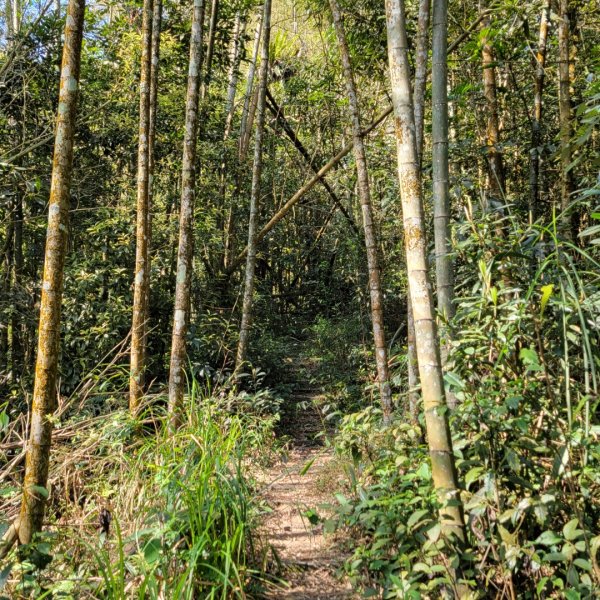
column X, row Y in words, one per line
column 182, row 506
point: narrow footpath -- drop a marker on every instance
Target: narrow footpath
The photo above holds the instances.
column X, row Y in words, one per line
column 308, row 560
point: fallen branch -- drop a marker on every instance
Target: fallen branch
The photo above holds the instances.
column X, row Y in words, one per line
column 278, row 216
column 287, row 128
column 287, row 207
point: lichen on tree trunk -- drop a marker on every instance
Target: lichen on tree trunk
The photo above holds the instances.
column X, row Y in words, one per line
column 445, row 478
column 44, row 391
column 181, row 317
column 141, row 278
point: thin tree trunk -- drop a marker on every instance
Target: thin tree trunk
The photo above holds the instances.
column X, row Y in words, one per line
column 234, row 70
column 242, row 145
column 16, row 16
column 7, row 261
column 536, row 123
column 9, row 21
column 181, row 317
column 44, row 392
column 210, row 47
column 138, row 324
column 245, row 143
column 381, row 353
column 444, row 267
column 421, row 55
column 235, row 59
column 441, row 199
column 242, row 348
column 249, row 87
column 17, row 314
column 564, row 113
column 494, row 155
column 152, row 114
column 430, row 370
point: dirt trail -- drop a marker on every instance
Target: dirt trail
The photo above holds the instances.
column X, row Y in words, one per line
column 309, row 560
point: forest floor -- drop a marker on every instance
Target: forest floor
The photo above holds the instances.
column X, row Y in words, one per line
column 301, row 482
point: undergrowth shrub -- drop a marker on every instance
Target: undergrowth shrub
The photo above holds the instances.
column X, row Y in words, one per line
column 526, row 436
column 158, row 515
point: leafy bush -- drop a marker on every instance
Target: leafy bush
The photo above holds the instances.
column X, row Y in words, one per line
column 181, row 509
column 526, row 436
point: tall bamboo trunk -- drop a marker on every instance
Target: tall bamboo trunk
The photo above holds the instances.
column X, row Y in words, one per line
column 242, row 348
column 496, row 182
column 250, row 86
column 234, row 70
column 381, row 352
column 245, row 143
column 235, row 57
column 9, row 22
column 7, row 264
column 44, row 392
column 564, row 112
column 242, row 145
column 16, row 345
column 152, row 113
column 536, row 122
column 16, row 16
column 181, row 316
column 421, row 55
column 444, row 268
column 138, row 324
column 445, row 478
column 210, row 47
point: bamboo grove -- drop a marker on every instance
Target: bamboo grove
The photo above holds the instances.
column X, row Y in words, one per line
column 187, row 185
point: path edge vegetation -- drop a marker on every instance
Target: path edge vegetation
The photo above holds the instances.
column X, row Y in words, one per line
column 450, row 385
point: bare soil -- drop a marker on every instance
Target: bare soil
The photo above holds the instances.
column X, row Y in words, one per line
column 307, row 561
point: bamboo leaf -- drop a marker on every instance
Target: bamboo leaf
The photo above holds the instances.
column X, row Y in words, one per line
column 546, row 293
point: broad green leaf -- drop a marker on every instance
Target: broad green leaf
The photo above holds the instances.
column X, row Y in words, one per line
column 541, row 585
column 584, row 564
column 548, row 538
column 570, row 530
column 472, row 475
column 507, row 537
column 416, row 517
column 555, row 557
column 422, row 567
column 434, row 533
column 152, row 550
